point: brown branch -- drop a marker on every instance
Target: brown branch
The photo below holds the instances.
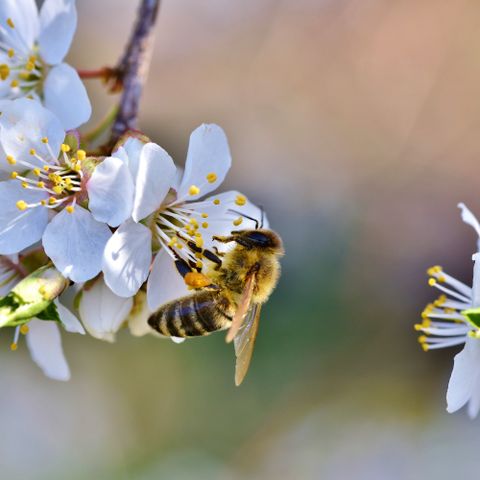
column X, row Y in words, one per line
column 133, row 68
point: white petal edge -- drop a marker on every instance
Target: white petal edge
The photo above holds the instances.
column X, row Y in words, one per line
column 45, row 345
column 69, row 321
column 164, row 283
column 127, row 257
column 110, row 192
column 75, row 243
column 58, row 22
column 208, row 153
column 102, row 312
column 156, row 173
column 66, row 96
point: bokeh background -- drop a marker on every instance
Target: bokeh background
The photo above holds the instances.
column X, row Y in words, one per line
column 354, row 122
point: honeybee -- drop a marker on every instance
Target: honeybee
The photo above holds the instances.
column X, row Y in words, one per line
column 229, row 295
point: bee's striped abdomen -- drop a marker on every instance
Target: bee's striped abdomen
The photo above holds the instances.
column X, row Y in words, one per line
column 192, row 316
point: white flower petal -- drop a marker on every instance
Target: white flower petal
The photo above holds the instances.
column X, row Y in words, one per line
column 127, row 258
column 110, row 192
column 24, row 15
column 476, row 281
column 20, row 229
column 130, row 153
column 156, row 172
column 178, row 339
column 164, row 283
column 9, row 276
column 464, row 382
column 45, row 345
column 137, row 320
column 75, row 243
column 66, row 96
column 58, row 22
column 23, row 124
column 102, row 312
column 208, row 153
column 68, row 319
column 469, row 218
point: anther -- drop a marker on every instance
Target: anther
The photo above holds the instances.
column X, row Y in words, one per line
column 24, row 329
column 10, row 23
column 193, row 190
column 36, row 171
column 13, row 346
column 4, row 71
column 216, row 201
column 40, row 184
column 212, row 177
column 81, row 154
column 238, row 221
column 21, row 205
column 14, row 83
column 69, row 209
column 11, row 160
column 205, row 224
column 432, row 282
column 24, row 185
column 240, row 200
column 14, row 175
column 65, row 147
column 44, row 140
column 204, row 215
column 11, row 52
column 32, row 151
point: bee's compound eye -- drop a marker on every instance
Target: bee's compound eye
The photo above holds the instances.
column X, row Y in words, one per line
column 259, row 238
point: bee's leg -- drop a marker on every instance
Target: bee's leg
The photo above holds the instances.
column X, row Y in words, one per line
column 213, row 257
column 218, row 253
column 228, row 239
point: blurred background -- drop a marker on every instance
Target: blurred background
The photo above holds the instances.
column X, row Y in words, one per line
column 354, row 122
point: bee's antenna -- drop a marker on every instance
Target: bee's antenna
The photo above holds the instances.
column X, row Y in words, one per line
column 263, row 215
column 247, row 216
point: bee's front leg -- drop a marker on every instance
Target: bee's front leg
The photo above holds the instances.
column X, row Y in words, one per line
column 227, row 239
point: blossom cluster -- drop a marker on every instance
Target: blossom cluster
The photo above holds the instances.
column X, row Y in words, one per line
column 89, row 242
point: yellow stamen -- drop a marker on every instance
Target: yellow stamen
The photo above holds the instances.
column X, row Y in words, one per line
column 81, row 154
column 204, row 215
column 40, row 184
column 43, row 202
column 199, row 242
column 57, row 189
column 52, row 200
column 32, row 151
column 10, row 23
column 216, row 201
column 240, row 200
column 212, row 177
column 434, row 270
column 238, row 221
column 36, row 171
column 24, row 329
column 44, row 140
column 24, row 184
column 14, row 83
column 65, row 147
column 14, row 175
column 205, row 224
column 29, row 66
column 69, row 209
column 13, row 346
column 11, row 52
column 432, row 282
column 4, row 71
column 193, row 190
column 46, row 168
column 11, row 160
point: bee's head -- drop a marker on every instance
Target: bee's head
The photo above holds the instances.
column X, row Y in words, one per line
column 259, row 238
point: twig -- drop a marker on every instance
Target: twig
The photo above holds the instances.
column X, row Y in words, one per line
column 133, row 68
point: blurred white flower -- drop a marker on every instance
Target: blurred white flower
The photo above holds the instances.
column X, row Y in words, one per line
column 169, row 220
column 32, row 48
column 49, row 202
column 446, row 323
column 42, row 336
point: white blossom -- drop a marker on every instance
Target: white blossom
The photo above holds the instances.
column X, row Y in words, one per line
column 33, row 45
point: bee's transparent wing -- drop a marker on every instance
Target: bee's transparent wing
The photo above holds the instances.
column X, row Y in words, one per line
column 243, row 308
column 245, row 341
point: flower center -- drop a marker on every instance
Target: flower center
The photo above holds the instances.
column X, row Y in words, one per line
column 60, row 178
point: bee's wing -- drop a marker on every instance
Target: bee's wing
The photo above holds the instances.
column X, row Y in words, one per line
column 243, row 308
column 245, row 341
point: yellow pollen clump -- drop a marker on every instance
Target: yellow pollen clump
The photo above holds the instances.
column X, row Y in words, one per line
column 14, row 175
column 81, row 154
column 21, row 205
column 432, row 282
column 14, row 83
column 77, row 167
column 193, row 221
column 44, row 140
column 238, row 221
column 57, row 189
column 240, row 200
column 52, row 201
column 32, row 151
column 199, row 242
column 212, row 177
column 205, row 224
column 11, row 160
column 65, row 147
column 199, row 264
column 193, row 190
column 4, row 71
column 204, row 215
column 24, row 329
column 46, row 168
column 69, row 209
column 13, row 346
column 172, row 241
column 40, row 184
column 11, row 52
column 216, row 201
column 434, row 270
column 10, row 23
column 418, row 326
column 36, row 171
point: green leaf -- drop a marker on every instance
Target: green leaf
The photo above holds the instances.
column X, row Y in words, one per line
column 50, row 313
